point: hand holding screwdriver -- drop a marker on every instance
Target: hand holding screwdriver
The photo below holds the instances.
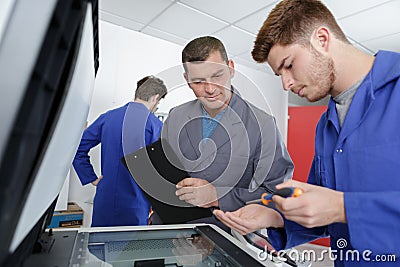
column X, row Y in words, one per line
column 283, row 192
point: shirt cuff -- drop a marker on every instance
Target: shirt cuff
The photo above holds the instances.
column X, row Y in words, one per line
column 278, row 238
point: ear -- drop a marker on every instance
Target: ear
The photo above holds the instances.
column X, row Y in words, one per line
column 321, row 38
column 186, row 79
column 231, row 66
column 154, row 98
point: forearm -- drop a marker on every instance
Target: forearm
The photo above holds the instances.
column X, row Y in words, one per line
column 91, row 137
column 84, row 170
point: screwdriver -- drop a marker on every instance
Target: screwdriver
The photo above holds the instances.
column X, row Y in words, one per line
column 283, row 192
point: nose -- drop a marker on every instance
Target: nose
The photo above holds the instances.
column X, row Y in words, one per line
column 287, row 82
column 209, row 88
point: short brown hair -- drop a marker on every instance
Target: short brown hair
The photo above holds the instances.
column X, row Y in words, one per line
column 199, row 49
column 150, row 86
column 293, row 21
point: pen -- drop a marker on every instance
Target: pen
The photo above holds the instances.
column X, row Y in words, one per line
column 283, row 192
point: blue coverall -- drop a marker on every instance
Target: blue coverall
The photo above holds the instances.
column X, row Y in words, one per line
column 361, row 159
column 118, row 200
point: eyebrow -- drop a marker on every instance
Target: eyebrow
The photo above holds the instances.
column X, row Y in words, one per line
column 218, row 72
column 281, row 65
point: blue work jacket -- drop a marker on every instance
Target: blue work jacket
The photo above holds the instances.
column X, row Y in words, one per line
column 118, row 200
column 361, row 159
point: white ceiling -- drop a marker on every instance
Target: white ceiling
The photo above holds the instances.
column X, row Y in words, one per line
column 369, row 24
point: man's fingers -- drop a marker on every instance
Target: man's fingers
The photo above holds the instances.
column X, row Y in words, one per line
column 227, row 222
column 238, row 223
column 292, row 183
column 186, row 182
column 288, row 183
column 184, row 190
column 186, row 197
column 230, row 220
column 288, row 204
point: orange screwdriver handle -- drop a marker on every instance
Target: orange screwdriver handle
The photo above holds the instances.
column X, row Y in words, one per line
column 283, row 192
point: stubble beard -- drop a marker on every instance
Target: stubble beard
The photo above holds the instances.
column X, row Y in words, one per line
column 322, row 72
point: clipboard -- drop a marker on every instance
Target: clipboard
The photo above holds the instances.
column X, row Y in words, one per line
column 156, row 169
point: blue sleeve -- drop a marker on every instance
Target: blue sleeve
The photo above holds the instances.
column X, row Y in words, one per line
column 373, row 217
column 294, row 234
column 91, row 137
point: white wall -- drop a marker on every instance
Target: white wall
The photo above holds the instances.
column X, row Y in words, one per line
column 126, row 56
column 265, row 91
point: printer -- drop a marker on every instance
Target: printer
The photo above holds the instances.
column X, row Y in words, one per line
column 49, row 57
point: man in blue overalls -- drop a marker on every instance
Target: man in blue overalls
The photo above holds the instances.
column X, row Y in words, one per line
column 118, row 200
column 353, row 187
